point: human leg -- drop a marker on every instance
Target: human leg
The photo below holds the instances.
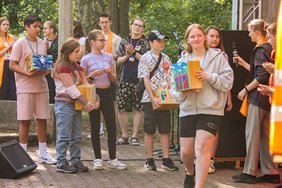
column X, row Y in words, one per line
column 252, row 140
column 269, row 169
column 123, row 122
column 149, row 131
column 108, row 111
column 123, row 102
column 187, row 154
column 137, row 119
column 64, row 123
column 94, row 117
column 213, row 152
column 76, row 137
column 25, row 104
column 202, row 152
column 23, row 132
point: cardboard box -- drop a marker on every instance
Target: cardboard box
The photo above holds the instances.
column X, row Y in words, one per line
column 165, row 98
column 89, row 92
column 184, row 75
column 39, row 62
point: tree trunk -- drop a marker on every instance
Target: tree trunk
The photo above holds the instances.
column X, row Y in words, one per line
column 88, row 13
column 123, row 18
column 114, row 12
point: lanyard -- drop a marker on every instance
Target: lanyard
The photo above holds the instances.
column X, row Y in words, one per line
column 136, row 43
column 31, row 46
column 96, row 62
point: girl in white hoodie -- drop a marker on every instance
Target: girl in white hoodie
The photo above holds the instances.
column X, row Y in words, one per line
column 201, row 111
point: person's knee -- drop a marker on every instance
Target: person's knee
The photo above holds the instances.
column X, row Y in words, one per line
column 201, row 148
column 149, row 129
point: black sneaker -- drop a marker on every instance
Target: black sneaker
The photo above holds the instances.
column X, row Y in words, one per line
column 150, row 164
column 189, row 181
column 66, row 168
column 245, row 178
column 270, row 178
column 167, row 164
column 80, row 167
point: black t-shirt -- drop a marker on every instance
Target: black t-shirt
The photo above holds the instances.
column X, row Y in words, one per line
column 130, row 67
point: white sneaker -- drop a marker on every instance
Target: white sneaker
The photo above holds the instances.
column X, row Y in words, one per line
column 115, row 164
column 46, row 159
column 98, row 164
column 212, row 168
column 101, row 130
column 88, row 136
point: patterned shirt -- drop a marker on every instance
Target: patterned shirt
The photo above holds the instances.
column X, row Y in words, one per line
column 130, row 68
column 162, row 74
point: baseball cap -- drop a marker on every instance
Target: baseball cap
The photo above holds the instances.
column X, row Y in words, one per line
column 156, row 35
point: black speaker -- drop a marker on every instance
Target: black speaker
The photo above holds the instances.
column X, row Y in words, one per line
column 14, row 160
column 232, row 131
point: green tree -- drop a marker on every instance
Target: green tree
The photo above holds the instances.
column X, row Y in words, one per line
column 178, row 14
column 16, row 10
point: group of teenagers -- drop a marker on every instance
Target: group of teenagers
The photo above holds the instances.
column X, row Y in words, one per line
column 93, row 59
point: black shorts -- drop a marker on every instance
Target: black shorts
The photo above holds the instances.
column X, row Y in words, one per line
column 154, row 118
column 191, row 123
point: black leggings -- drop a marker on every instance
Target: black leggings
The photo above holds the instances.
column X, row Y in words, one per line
column 108, row 109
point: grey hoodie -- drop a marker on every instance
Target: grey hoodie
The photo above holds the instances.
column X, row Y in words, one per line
column 210, row 99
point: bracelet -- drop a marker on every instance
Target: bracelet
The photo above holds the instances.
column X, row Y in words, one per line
column 247, row 89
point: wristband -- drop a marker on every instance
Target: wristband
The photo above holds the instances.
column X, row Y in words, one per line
column 90, row 78
column 247, row 89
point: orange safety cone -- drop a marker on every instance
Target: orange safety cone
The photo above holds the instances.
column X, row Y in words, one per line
column 275, row 142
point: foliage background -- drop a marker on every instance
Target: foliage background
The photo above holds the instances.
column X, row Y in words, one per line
column 163, row 15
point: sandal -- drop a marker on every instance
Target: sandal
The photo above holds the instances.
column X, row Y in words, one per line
column 135, row 141
column 122, row 141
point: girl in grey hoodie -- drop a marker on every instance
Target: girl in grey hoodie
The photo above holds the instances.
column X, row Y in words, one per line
column 201, row 110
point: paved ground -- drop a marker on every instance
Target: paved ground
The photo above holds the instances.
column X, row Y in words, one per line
column 135, row 176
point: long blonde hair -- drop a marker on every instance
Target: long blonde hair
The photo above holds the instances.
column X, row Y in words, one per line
column 187, row 33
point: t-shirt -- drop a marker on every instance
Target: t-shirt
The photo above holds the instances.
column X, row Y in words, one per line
column 130, row 68
column 161, row 76
column 22, row 53
column 92, row 62
column 61, row 89
column 115, row 43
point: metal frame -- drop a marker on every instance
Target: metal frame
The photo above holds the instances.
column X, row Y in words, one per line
column 254, row 10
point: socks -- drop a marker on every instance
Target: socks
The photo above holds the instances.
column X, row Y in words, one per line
column 42, row 148
column 24, row 146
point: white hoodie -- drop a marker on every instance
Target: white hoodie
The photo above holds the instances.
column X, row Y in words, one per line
column 210, row 99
